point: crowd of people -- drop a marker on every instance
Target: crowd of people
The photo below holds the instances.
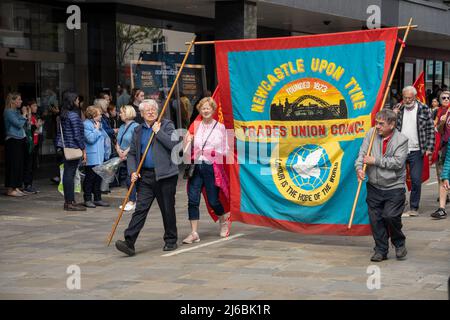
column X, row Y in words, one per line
column 407, row 134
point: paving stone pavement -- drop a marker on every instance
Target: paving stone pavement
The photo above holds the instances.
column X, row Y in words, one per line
column 39, row 241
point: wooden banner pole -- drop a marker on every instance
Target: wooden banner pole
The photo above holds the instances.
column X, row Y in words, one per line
column 212, row 42
column 408, row 28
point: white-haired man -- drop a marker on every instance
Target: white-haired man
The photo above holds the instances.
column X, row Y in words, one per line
column 415, row 121
column 157, row 179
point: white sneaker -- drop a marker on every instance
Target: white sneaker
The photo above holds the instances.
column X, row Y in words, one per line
column 413, row 213
column 191, row 238
column 129, row 206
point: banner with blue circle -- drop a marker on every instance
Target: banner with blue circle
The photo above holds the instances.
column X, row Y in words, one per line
column 300, row 108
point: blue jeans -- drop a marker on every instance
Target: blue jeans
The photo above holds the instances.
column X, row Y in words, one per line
column 415, row 161
column 203, row 176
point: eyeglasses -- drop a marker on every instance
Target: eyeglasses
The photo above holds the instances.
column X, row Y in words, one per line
column 445, row 98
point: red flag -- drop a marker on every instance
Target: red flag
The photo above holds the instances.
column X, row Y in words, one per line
column 419, row 84
column 425, row 172
column 222, row 169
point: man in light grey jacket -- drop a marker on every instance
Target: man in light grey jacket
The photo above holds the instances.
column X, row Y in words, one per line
column 386, row 171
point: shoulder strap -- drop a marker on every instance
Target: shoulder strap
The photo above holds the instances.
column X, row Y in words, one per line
column 62, row 136
column 126, row 129
column 204, row 144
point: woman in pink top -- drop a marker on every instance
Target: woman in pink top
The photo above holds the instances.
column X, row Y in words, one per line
column 210, row 145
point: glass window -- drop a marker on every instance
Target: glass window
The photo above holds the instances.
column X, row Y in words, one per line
column 37, row 27
column 132, row 42
column 159, row 44
column 15, row 24
column 438, row 73
column 429, row 75
column 419, row 67
column 409, row 69
column 446, row 73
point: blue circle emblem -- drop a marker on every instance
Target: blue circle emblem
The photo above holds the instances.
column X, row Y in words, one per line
column 308, row 166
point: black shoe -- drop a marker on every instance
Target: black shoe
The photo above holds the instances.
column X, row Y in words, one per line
column 439, row 214
column 170, row 247
column 81, row 205
column 124, row 247
column 101, row 203
column 73, row 207
column 400, row 252
column 89, row 204
column 55, row 180
column 30, row 190
column 378, row 257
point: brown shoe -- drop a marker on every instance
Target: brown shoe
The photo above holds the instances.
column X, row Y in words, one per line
column 73, row 207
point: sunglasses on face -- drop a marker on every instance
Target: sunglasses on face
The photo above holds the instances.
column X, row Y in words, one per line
column 445, row 98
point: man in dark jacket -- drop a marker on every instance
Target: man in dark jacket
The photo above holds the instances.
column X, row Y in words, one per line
column 386, row 171
column 157, row 179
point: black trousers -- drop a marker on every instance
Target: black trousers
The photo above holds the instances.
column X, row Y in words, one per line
column 70, row 169
column 91, row 185
column 147, row 190
column 30, row 165
column 385, row 212
column 15, row 161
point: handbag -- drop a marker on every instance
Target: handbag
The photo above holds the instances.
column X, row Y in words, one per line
column 70, row 153
column 189, row 169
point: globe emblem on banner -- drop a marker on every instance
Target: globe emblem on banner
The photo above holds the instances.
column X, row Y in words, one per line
column 308, row 166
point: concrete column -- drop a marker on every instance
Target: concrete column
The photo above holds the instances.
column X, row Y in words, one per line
column 235, row 19
column 102, row 48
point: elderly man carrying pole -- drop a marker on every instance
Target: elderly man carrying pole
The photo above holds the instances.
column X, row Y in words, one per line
column 157, row 179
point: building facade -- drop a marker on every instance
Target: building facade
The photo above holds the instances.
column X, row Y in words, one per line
column 41, row 54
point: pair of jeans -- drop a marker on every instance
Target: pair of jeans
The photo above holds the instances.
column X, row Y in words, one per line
column 203, row 176
column 385, row 214
column 147, row 190
column 415, row 161
column 91, row 185
column 70, row 168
